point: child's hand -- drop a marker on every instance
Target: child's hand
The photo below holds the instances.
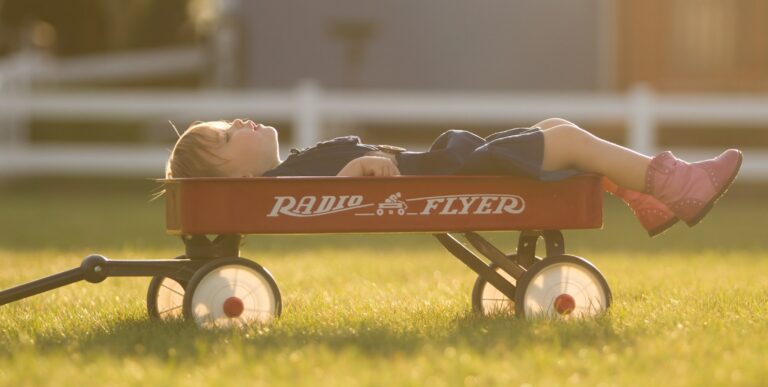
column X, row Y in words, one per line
column 370, row 166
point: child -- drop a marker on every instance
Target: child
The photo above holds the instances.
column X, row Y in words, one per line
column 660, row 189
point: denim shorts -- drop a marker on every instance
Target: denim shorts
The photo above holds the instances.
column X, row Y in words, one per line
column 518, row 151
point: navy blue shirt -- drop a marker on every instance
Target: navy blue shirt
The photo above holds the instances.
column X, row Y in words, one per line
column 326, row 158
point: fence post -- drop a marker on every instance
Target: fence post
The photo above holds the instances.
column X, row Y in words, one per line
column 225, row 43
column 306, row 116
column 16, row 81
column 641, row 120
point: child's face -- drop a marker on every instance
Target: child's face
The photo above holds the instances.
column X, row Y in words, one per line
column 249, row 148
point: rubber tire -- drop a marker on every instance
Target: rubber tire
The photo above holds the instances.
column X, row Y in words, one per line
column 477, row 289
column 477, row 292
column 525, row 280
column 215, row 264
column 152, row 293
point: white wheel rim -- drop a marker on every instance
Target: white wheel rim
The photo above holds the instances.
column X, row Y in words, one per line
column 493, row 301
column 254, row 299
column 564, row 290
column 170, row 299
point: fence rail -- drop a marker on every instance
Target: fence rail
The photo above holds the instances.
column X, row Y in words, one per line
column 309, row 108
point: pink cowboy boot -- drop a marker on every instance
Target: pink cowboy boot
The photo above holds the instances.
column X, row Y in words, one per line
column 691, row 189
column 652, row 214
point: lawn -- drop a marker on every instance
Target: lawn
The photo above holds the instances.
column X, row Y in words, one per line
column 689, row 308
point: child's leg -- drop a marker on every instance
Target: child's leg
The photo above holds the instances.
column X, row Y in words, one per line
column 688, row 189
column 568, row 146
column 549, row 123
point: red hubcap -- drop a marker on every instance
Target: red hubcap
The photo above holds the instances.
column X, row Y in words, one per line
column 233, row 307
column 565, row 304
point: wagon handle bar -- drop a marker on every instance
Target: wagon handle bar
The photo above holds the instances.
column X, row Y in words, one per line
column 96, row 268
column 42, row 285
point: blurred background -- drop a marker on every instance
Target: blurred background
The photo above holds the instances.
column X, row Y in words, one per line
column 88, row 87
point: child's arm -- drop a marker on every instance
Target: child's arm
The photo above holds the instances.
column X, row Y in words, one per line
column 370, row 166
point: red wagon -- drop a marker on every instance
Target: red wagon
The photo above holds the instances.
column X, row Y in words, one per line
column 212, row 285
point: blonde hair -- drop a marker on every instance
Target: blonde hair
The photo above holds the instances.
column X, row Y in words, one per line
column 192, row 156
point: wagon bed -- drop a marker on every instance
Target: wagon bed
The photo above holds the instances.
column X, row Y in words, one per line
column 362, row 205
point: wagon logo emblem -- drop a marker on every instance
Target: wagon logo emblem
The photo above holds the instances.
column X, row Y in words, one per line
column 396, row 205
column 392, row 205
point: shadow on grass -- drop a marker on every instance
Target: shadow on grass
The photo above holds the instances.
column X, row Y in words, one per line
column 183, row 341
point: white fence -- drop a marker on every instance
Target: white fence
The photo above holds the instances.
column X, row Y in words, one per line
column 309, row 109
column 29, row 66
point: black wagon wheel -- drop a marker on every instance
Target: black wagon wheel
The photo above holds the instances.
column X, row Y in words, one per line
column 165, row 298
column 489, row 301
column 563, row 286
column 231, row 292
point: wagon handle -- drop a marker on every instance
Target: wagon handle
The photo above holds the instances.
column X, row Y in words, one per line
column 96, row 268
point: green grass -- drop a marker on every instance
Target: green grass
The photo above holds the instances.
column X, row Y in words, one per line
column 689, row 308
